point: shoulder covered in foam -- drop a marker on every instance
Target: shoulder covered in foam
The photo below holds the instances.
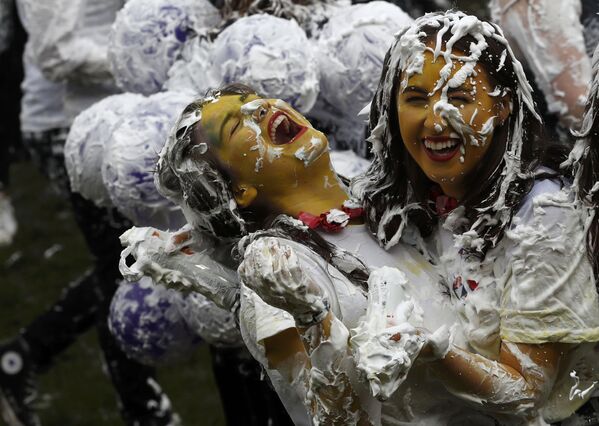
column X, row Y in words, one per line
column 545, row 199
column 549, row 293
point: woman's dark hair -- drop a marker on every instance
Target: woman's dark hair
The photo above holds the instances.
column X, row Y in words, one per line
column 585, row 161
column 190, row 174
column 396, row 192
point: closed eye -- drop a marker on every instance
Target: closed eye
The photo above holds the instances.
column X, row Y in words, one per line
column 235, row 127
column 415, row 99
column 459, row 98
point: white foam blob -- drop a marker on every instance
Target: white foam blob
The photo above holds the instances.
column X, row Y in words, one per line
column 348, row 164
column 130, row 160
column 148, row 35
column 270, row 54
column 214, row 325
column 84, row 149
column 148, row 322
column 352, row 47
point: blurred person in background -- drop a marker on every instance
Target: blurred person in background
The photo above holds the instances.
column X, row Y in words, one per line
column 555, row 41
column 66, row 70
column 12, row 40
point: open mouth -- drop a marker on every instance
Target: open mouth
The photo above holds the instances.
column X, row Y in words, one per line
column 441, row 148
column 283, row 130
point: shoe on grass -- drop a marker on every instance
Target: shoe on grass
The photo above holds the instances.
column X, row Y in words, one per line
column 18, row 391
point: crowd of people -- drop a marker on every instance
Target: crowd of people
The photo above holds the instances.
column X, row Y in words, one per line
column 373, row 212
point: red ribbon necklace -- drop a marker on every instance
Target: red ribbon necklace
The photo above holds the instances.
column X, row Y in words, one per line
column 333, row 220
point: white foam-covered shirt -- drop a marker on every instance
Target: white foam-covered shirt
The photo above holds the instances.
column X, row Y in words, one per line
column 548, row 35
column 69, row 42
column 535, row 287
column 260, row 321
column 42, row 103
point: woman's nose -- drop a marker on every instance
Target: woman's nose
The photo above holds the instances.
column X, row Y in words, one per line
column 433, row 122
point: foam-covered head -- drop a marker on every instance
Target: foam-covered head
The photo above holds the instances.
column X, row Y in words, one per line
column 192, row 71
column 147, row 36
column 233, row 152
column 351, row 50
column 89, row 134
column 130, row 162
column 148, row 323
column 462, row 43
column 272, row 55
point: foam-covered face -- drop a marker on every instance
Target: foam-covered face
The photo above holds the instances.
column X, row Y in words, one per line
column 447, row 130
column 268, row 146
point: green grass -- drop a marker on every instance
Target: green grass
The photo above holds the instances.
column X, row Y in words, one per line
column 78, row 391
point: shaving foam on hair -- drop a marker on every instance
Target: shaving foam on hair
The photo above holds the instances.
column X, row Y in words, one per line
column 272, row 55
column 130, row 159
column 148, row 35
column 196, row 184
column 89, row 134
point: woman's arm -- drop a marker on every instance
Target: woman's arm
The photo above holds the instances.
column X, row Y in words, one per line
column 320, row 343
column 549, row 35
column 518, row 383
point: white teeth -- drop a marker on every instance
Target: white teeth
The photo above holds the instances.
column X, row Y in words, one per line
column 273, row 130
column 437, row 146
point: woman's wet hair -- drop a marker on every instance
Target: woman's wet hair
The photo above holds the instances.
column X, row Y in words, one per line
column 190, row 174
column 396, row 192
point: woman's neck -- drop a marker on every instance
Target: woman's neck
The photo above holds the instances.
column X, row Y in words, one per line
column 453, row 190
column 321, row 195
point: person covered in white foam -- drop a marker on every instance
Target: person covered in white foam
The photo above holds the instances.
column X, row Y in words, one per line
column 234, row 160
column 456, row 171
column 584, row 165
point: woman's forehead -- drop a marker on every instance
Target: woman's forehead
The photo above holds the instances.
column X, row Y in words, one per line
column 434, row 68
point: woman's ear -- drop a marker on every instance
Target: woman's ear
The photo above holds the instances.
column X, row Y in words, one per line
column 504, row 106
column 244, row 195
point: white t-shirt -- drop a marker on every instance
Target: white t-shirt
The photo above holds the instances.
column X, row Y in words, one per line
column 260, row 320
column 42, row 104
column 535, row 287
column 68, row 41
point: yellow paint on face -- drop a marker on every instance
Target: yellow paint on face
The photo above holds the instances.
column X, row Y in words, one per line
column 244, row 144
column 418, row 121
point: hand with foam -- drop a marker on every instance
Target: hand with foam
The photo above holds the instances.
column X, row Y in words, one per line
column 274, row 272
column 179, row 260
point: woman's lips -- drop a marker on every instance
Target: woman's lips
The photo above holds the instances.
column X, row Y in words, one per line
column 441, row 148
column 283, row 130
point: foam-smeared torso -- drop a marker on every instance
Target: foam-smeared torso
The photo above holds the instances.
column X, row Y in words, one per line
column 534, row 287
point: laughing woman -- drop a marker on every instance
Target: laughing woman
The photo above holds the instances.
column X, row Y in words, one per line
column 458, row 171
